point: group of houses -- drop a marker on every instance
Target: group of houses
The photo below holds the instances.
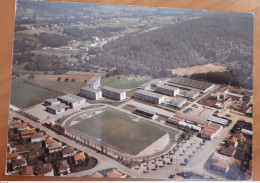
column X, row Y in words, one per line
column 19, row 162
column 113, row 173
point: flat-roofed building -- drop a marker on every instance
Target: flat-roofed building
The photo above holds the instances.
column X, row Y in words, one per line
column 90, row 93
column 192, row 94
column 148, row 96
column 220, row 166
column 186, row 83
column 145, row 113
column 113, row 93
column 149, row 84
column 218, row 120
column 167, row 90
column 51, row 101
column 178, row 102
column 93, row 83
column 57, row 109
column 194, row 127
column 190, row 119
column 72, row 100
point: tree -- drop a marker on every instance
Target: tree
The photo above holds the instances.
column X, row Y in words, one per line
column 31, row 76
column 171, row 160
column 66, row 79
column 59, row 78
column 73, row 80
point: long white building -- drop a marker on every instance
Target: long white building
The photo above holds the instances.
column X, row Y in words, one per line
column 90, row 93
column 148, row 96
column 113, row 93
column 167, row 90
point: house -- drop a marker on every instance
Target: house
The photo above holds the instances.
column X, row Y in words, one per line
column 113, row 93
column 247, row 97
column 114, row 174
column 14, row 123
column 227, row 150
column 232, row 141
column 67, row 151
column 178, row 177
column 19, row 163
column 11, row 157
column 48, row 141
column 167, row 90
column 218, row 120
column 91, row 93
column 28, row 133
column 37, row 137
column 63, row 167
column 192, row 94
column 214, row 96
column 51, row 101
column 149, row 96
column 178, row 102
column 209, row 131
column 246, row 132
column 46, row 170
column 97, row 175
column 27, row 171
column 220, row 166
column 79, row 157
column 22, row 127
column 55, row 147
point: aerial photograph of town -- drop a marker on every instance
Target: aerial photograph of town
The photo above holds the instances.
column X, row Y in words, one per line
column 113, row 91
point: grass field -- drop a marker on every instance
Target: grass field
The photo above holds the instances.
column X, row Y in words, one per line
column 120, row 131
column 24, row 95
column 124, row 84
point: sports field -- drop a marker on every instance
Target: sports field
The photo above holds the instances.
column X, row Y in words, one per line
column 120, row 131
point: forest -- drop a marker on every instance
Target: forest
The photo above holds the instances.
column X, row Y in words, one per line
column 221, row 38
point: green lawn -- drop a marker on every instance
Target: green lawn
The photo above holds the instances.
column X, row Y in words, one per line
column 120, row 131
column 24, row 95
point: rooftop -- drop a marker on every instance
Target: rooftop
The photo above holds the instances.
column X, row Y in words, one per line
column 55, row 145
column 218, row 120
column 79, row 156
column 48, row 140
column 114, row 174
column 15, row 122
column 146, row 111
column 191, row 83
column 37, row 135
column 63, row 165
column 112, row 89
column 167, row 87
column 93, row 80
column 179, row 100
column 90, row 89
column 12, row 155
column 97, row 175
column 150, row 94
column 28, row 132
column 192, row 92
column 67, row 150
column 51, row 100
column 71, row 98
column 58, row 106
column 190, row 118
column 24, row 125
column 19, row 162
column 28, row 170
column 221, row 164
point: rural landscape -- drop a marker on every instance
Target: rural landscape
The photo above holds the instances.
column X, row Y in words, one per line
column 111, row 91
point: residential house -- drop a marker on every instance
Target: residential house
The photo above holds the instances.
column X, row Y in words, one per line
column 22, row 127
column 46, row 170
column 63, row 167
column 19, row 163
column 97, row 175
column 114, row 174
column 27, row 171
column 48, row 141
column 232, row 141
column 14, row 123
column 227, row 150
column 28, row 133
column 79, row 157
column 220, row 166
column 11, row 157
column 37, row 137
column 55, row 147
column 67, row 151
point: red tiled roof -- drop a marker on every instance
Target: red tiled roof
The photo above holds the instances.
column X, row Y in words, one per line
column 79, row 156
column 97, row 175
column 222, row 164
column 55, row 145
column 12, row 155
column 114, row 174
column 24, row 125
column 67, row 150
column 207, row 132
column 238, row 135
column 15, row 122
column 28, row 170
column 37, row 135
column 232, row 140
column 177, row 177
column 28, row 132
column 48, row 140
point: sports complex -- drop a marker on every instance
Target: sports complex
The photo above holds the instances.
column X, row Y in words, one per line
column 120, row 133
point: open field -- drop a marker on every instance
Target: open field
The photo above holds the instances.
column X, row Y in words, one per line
column 24, row 95
column 60, row 86
column 128, row 83
column 120, row 131
column 78, row 78
column 198, row 69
